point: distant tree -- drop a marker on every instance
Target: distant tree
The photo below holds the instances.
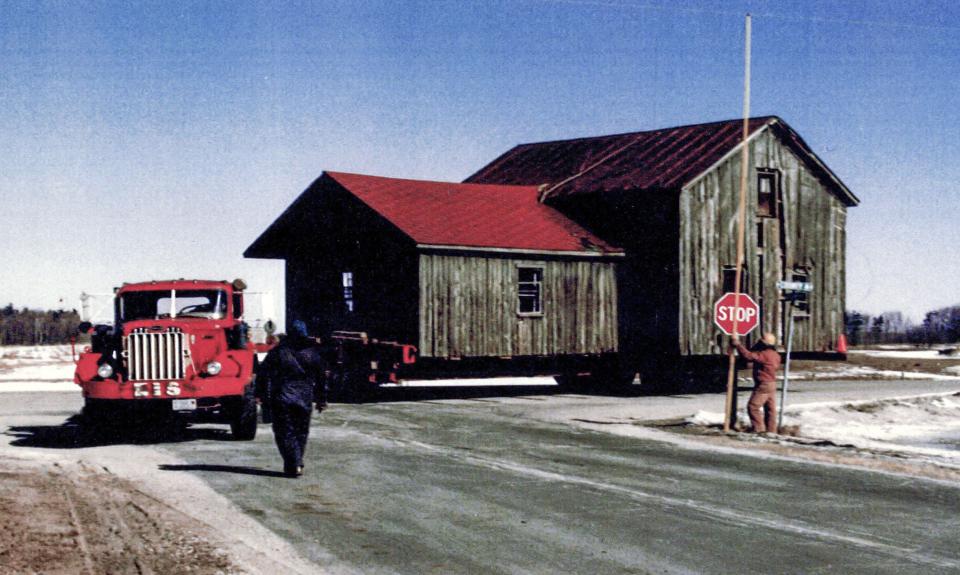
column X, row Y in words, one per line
column 854, row 321
column 930, row 327
column 876, row 330
column 939, row 326
column 894, row 323
column 952, row 324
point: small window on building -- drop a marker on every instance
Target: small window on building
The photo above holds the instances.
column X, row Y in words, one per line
column 348, row 290
column 730, row 279
column 768, row 193
column 530, row 291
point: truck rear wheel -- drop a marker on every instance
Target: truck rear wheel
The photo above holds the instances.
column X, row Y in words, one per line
column 243, row 422
column 612, row 377
column 92, row 419
column 103, row 420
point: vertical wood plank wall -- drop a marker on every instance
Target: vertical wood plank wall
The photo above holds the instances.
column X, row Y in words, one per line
column 468, row 307
column 814, row 238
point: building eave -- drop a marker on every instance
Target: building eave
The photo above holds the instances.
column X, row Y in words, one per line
column 521, row 251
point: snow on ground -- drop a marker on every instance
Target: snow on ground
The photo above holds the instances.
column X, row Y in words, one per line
column 15, row 355
column 927, row 426
column 909, row 353
column 36, row 368
column 843, row 371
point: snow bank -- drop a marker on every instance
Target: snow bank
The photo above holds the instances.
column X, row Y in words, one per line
column 864, row 372
column 912, row 353
column 15, row 355
column 36, row 368
column 926, row 426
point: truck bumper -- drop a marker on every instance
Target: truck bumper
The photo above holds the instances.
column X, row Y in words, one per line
column 138, row 391
column 206, row 410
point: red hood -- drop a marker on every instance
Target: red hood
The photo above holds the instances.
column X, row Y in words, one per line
column 194, row 325
column 205, row 338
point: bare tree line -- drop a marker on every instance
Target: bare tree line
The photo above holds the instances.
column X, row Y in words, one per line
column 939, row 326
column 35, row 327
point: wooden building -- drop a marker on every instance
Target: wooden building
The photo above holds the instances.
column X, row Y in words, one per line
column 459, row 270
column 669, row 198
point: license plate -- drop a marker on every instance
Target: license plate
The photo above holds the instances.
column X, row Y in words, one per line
column 184, row 404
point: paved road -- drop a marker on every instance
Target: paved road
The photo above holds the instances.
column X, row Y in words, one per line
column 499, row 485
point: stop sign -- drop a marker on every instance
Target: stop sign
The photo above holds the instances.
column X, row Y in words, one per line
column 747, row 314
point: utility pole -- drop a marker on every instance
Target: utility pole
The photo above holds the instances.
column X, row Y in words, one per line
column 730, row 408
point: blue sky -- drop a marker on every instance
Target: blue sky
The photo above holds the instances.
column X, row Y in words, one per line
column 158, row 140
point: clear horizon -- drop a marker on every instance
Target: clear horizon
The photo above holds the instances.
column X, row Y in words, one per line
column 157, row 141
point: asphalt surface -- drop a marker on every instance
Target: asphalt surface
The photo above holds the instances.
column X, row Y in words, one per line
column 503, row 485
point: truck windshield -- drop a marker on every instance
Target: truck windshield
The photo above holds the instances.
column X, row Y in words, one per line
column 208, row 304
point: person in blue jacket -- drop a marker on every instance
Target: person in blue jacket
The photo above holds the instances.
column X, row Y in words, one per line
column 291, row 378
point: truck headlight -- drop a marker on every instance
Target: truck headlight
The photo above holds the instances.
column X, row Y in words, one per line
column 105, row 370
column 214, row 367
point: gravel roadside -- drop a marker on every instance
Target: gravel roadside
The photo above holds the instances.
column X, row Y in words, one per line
column 105, row 509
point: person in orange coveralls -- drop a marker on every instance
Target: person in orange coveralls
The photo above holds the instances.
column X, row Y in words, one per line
column 766, row 362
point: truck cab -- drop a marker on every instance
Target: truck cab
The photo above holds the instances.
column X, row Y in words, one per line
column 176, row 347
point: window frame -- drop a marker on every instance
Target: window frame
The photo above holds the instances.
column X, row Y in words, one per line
column 732, row 270
column 776, row 198
column 537, row 283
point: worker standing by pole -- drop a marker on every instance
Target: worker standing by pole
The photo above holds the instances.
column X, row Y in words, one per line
column 762, row 406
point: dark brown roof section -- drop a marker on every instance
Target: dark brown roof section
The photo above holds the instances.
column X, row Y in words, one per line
column 657, row 159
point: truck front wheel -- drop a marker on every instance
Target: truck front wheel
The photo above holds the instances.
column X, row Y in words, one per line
column 243, row 422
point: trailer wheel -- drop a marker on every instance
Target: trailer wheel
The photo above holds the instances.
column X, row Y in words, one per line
column 355, row 391
column 243, row 423
column 613, row 378
column 350, row 386
column 571, row 382
column 100, row 419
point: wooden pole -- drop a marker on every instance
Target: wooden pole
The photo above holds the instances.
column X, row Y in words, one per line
column 730, row 408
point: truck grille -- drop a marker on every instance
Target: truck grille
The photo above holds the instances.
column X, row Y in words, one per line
column 155, row 355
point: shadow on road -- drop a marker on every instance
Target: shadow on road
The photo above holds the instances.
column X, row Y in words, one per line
column 222, row 469
column 72, row 435
column 392, row 394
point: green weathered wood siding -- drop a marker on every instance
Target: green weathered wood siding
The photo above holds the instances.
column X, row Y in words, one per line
column 468, row 307
column 814, row 237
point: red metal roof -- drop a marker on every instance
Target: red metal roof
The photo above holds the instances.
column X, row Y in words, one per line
column 657, row 159
column 471, row 215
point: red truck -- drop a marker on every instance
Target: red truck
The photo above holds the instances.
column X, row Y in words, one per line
column 177, row 347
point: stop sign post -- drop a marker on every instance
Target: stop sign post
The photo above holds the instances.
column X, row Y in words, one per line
column 726, row 312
